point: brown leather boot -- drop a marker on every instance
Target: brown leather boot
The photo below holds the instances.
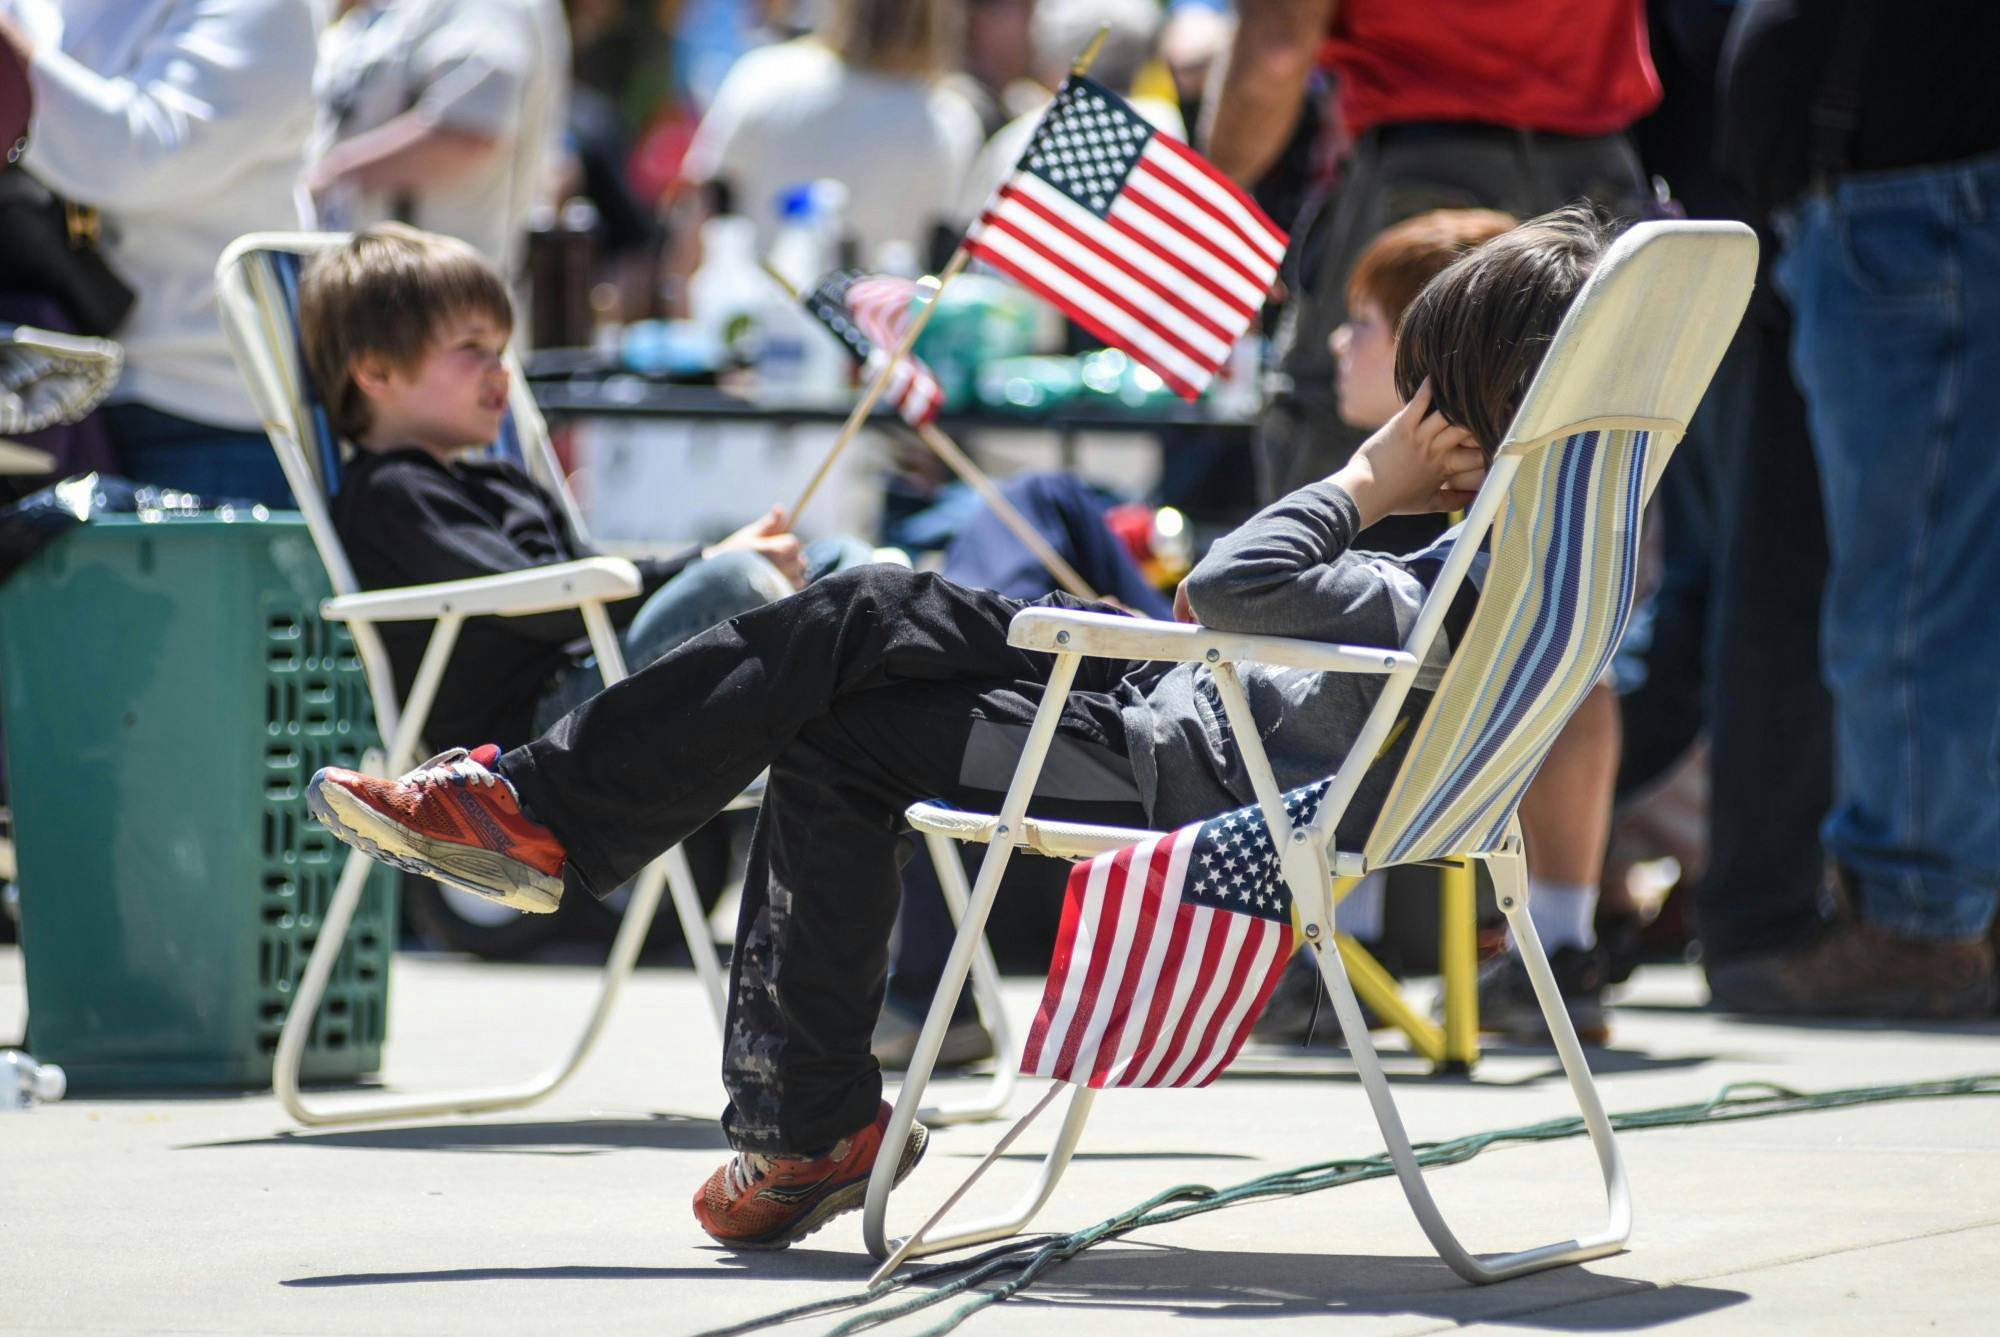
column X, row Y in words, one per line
column 1857, row 969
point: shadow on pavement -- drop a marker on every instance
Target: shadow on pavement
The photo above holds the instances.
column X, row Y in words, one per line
column 1192, row 1284
column 567, row 1137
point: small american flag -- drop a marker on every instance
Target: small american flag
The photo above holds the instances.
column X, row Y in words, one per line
column 1167, row 952
column 868, row 313
column 1133, row 234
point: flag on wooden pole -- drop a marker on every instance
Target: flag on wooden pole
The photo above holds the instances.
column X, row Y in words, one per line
column 869, row 313
column 1167, row 953
column 1133, row 234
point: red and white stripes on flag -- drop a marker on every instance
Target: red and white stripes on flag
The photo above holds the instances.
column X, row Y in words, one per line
column 869, row 313
column 1133, row 235
column 1167, row 953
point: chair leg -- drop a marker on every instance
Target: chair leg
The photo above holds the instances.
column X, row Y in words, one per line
column 673, row 866
column 971, row 931
column 319, row 967
column 985, row 994
column 1511, row 879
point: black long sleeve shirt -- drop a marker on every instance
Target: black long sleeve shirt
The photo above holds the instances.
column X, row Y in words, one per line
column 407, row 519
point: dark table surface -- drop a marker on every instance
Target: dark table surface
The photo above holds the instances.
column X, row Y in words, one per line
column 567, row 384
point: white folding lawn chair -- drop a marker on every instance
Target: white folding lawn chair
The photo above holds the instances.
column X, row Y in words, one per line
column 1560, row 513
column 257, row 288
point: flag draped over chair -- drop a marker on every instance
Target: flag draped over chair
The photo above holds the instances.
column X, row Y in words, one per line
column 1167, row 953
column 1133, row 235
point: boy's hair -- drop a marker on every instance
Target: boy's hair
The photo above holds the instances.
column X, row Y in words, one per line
column 1479, row 329
column 384, row 293
column 1394, row 268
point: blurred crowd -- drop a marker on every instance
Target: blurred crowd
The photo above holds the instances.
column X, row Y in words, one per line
column 1806, row 670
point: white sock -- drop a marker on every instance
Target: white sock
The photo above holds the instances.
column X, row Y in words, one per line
column 1565, row 913
column 1359, row 914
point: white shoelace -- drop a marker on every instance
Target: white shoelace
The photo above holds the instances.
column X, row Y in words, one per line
column 745, row 1169
column 453, row 767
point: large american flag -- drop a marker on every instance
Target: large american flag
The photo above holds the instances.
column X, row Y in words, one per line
column 1167, row 953
column 1133, row 234
column 868, row 313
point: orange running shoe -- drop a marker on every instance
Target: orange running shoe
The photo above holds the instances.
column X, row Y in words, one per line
column 452, row 819
column 766, row 1202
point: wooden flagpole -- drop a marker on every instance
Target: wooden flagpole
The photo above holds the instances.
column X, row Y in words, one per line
column 978, row 480
column 916, row 327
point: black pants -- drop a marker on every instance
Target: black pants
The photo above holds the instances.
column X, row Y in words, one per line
column 863, row 693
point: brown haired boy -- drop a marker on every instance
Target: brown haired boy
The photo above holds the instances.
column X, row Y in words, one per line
column 404, row 333
column 1474, row 361
column 877, row 687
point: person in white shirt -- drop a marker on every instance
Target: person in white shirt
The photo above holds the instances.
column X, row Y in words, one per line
column 442, row 114
column 859, row 101
column 184, row 123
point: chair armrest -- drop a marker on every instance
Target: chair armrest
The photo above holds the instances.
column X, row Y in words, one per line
column 539, row 589
column 1110, row 636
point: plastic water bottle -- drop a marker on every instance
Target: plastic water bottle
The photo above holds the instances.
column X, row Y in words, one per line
column 25, row 1083
column 797, row 358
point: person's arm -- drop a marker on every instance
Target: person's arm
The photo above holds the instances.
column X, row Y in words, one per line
column 1289, row 571
column 472, row 73
column 404, row 154
column 1251, row 113
column 209, row 86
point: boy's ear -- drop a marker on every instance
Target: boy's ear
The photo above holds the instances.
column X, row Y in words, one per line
column 371, row 373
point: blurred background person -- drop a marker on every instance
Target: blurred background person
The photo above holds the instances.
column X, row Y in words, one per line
column 1517, row 105
column 858, row 101
column 182, row 122
column 1060, row 30
column 445, row 114
column 1875, row 133
column 995, row 73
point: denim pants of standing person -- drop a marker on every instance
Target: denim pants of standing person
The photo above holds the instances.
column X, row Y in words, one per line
column 708, row 591
column 1894, row 282
column 862, row 693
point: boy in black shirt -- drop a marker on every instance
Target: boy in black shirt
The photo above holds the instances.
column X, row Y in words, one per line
column 404, row 332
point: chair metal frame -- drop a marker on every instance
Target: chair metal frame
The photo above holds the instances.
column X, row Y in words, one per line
column 1607, row 370
column 260, row 322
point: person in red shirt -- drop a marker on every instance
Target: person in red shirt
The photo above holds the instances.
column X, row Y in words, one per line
column 1517, row 105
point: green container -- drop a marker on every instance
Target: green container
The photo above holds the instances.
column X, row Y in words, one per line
column 168, row 688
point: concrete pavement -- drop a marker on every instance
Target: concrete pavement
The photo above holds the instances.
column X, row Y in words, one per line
column 198, row 1213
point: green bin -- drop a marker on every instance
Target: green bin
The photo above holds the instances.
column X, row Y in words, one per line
column 168, row 688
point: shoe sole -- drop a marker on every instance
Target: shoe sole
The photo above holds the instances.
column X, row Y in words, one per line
column 847, row 1198
column 963, row 1046
column 482, row 872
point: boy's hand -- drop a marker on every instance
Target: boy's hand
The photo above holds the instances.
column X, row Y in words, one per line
column 1416, row 463
column 769, row 539
column 1183, row 610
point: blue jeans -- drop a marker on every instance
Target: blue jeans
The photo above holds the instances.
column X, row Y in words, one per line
column 708, row 591
column 1894, row 281
column 214, row 463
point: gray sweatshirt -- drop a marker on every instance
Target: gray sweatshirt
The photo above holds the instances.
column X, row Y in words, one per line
column 1287, row 572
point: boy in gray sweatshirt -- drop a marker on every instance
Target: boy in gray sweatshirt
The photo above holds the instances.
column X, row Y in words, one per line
column 878, row 687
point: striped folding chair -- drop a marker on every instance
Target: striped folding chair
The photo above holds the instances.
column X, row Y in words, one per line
column 1559, row 519
column 257, row 289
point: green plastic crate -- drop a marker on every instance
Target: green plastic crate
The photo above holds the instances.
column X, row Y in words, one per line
column 168, row 688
